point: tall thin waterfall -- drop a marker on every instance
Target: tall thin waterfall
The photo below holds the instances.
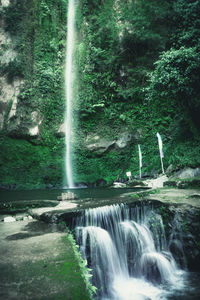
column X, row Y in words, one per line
column 127, row 250
column 69, row 91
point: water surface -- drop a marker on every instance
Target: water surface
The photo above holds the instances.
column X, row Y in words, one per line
column 82, row 193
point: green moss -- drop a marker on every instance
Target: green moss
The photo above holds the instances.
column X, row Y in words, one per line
column 73, row 271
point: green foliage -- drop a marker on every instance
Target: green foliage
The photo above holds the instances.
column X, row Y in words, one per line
column 186, row 23
column 85, row 272
column 13, row 15
column 29, row 166
column 176, row 76
column 183, row 154
column 138, row 69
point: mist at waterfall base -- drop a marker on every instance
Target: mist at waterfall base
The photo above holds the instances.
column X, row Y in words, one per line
column 127, row 251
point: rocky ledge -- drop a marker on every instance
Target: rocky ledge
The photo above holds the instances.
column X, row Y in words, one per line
column 37, row 261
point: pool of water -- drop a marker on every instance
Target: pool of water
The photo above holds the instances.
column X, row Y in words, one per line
column 190, row 289
column 187, row 288
column 94, row 193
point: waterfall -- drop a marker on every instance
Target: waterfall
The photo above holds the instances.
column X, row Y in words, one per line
column 127, row 250
column 69, row 92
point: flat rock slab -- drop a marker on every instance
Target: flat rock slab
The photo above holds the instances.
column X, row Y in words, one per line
column 37, row 262
column 23, row 205
column 176, row 196
column 61, row 207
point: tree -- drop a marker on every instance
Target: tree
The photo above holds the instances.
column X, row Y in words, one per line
column 176, row 77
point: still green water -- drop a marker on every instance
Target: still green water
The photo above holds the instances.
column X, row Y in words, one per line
column 95, row 193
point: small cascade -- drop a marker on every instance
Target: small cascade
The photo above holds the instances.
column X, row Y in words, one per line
column 126, row 249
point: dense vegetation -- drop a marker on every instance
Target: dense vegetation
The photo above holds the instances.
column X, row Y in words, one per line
column 137, row 70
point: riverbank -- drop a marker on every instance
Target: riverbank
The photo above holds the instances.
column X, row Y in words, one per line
column 176, row 196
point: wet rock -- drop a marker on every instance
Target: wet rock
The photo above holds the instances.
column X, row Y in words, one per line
column 182, row 185
column 134, row 183
column 119, row 185
column 9, row 219
column 101, row 183
column 67, row 196
column 98, row 183
column 4, row 187
column 19, row 218
column 187, row 173
column 49, row 186
column 195, row 196
column 121, row 179
column 185, row 184
column 170, row 183
column 81, row 185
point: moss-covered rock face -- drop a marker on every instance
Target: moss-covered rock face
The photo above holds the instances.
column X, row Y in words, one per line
column 33, row 113
column 130, row 61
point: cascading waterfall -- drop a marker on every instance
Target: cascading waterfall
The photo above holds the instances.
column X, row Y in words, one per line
column 69, row 92
column 126, row 249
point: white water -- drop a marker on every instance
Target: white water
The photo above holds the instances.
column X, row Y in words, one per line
column 69, row 92
column 127, row 251
column 161, row 151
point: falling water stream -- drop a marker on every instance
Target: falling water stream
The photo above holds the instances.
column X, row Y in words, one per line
column 126, row 249
column 69, row 92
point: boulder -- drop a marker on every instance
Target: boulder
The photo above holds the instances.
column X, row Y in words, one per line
column 5, row 3
column 170, row 183
column 9, row 219
column 67, row 196
column 185, row 184
column 170, row 169
column 100, row 143
column 124, row 139
column 101, row 183
column 36, row 122
column 81, row 185
column 8, row 91
column 119, row 185
column 195, row 196
column 187, row 173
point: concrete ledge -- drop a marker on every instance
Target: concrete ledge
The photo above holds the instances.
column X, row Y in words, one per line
column 37, row 262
